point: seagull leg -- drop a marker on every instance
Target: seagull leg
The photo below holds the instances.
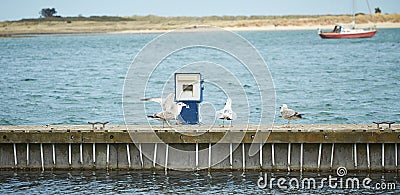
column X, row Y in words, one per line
column 223, row 120
column 231, row 124
column 168, row 123
column 287, row 125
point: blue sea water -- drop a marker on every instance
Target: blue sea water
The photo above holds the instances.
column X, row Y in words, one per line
column 73, row 79
column 172, row 182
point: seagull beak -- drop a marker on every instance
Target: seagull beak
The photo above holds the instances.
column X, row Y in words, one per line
column 187, row 106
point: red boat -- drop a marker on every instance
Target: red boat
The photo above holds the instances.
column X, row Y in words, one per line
column 343, row 33
column 350, row 31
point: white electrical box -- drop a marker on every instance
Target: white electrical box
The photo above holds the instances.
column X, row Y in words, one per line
column 188, row 87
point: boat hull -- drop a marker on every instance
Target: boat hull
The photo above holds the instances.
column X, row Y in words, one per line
column 333, row 35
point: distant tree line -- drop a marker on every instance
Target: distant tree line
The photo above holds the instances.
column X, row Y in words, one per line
column 377, row 10
column 48, row 12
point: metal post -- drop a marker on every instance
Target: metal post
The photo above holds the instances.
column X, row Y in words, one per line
column 301, row 157
column 319, row 155
column 288, row 156
column 54, row 153
column 368, row 160
column 155, row 155
column 209, row 155
column 355, row 155
column 230, row 155
column 81, row 153
column 166, row 158
column 332, row 154
column 69, row 154
column 244, row 157
column 197, row 155
column 383, row 155
column 273, row 153
column 41, row 156
column 128, row 154
column 140, row 154
column 15, row 154
column 108, row 155
column 27, row 154
column 94, row 153
column 395, row 154
column 261, row 155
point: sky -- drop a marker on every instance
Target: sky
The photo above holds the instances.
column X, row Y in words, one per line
column 19, row 9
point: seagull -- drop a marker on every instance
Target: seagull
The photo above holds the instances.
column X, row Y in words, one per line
column 170, row 108
column 289, row 114
column 166, row 116
column 226, row 113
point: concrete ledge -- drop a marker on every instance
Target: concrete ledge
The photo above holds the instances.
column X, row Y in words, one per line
column 298, row 148
column 195, row 134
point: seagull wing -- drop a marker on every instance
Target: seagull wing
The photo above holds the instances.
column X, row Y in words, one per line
column 168, row 104
column 219, row 114
column 165, row 115
column 158, row 100
column 226, row 114
column 290, row 114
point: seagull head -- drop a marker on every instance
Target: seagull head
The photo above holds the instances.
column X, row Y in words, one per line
column 181, row 104
column 283, row 107
column 228, row 102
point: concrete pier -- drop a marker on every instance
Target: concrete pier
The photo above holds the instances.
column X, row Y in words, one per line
column 295, row 148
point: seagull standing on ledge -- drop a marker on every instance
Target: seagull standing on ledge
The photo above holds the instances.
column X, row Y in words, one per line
column 166, row 116
column 289, row 114
column 170, row 109
column 226, row 113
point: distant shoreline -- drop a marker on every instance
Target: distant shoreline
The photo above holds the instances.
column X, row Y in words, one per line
column 157, row 24
column 264, row 28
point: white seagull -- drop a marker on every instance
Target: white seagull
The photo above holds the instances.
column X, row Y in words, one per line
column 289, row 114
column 226, row 113
column 170, row 109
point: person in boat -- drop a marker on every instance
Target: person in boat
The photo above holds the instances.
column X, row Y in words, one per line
column 335, row 29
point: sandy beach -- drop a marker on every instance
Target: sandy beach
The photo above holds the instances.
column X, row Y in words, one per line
column 264, row 28
column 156, row 24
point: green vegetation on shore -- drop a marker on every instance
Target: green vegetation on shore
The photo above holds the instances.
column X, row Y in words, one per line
column 160, row 19
column 96, row 24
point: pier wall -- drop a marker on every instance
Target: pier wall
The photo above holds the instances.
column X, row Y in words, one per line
column 297, row 149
